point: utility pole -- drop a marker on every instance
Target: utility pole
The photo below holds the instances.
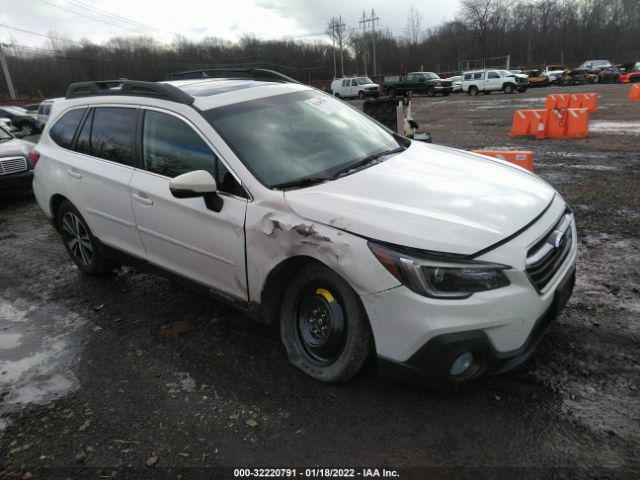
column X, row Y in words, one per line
column 341, row 27
column 363, row 21
column 7, row 75
column 374, row 19
column 332, row 26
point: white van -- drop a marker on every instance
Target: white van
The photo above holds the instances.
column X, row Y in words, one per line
column 353, row 87
column 44, row 109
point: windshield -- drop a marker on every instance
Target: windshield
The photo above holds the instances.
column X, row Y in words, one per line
column 506, row 73
column 364, row 80
column 4, row 135
column 429, row 75
column 298, row 135
column 16, row 110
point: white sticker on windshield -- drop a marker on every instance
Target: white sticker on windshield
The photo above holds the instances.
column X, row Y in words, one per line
column 325, row 105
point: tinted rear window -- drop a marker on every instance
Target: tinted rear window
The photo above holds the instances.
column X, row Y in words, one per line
column 65, row 128
column 113, row 133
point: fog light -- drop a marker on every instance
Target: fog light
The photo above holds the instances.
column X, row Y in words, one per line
column 461, row 364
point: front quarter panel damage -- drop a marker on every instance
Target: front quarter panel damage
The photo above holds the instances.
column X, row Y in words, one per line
column 274, row 234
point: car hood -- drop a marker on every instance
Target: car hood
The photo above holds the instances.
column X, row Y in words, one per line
column 429, row 197
column 15, row 148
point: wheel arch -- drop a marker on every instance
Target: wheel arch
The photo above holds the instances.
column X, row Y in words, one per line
column 54, row 205
column 276, row 283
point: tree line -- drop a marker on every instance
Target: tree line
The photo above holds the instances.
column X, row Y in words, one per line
column 532, row 32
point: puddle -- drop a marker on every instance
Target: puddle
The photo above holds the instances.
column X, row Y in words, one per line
column 616, row 128
column 38, row 350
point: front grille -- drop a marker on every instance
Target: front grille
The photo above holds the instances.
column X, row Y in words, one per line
column 12, row 165
column 546, row 257
column 371, row 89
column 445, row 84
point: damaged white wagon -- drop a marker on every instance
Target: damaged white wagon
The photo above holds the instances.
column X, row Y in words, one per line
column 357, row 243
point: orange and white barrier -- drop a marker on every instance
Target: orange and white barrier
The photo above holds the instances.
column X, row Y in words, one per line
column 568, row 123
column 527, row 123
column 576, row 100
column 634, row 93
column 522, row 158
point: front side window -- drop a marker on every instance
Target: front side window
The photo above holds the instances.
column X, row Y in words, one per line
column 467, row 76
column 65, row 128
column 354, row 83
column 293, row 136
column 493, row 75
column 170, row 147
column 113, row 133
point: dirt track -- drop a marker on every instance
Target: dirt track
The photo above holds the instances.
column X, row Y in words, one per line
column 96, row 386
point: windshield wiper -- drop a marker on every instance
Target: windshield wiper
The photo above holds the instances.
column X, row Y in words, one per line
column 301, row 182
column 367, row 160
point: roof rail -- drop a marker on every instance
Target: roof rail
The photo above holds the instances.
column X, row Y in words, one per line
column 235, row 73
column 132, row 88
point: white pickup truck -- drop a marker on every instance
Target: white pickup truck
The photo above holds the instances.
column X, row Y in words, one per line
column 554, row 72
column 487, row 81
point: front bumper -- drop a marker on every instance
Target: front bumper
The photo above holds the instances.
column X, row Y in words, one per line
column 431, row 364
column 16, row 183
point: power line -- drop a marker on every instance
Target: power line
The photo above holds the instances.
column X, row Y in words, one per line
column 92, row 18
column 105, row 13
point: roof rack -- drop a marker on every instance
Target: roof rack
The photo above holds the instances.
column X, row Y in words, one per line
column 126, row 87
column 252, row 73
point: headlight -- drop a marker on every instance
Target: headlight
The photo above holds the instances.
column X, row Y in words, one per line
column 440, row 277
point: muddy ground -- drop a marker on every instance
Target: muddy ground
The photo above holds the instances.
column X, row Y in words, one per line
column 94, row 385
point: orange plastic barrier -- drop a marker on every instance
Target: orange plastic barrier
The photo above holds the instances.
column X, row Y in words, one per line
column 576, row 100
column 529, row 123
column 568, row 123
column 522, row 158
column 634, row 93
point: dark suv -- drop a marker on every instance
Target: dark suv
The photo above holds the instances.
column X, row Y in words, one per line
column 21, row 119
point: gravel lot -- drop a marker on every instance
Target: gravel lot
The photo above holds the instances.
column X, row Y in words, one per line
column 101, row 377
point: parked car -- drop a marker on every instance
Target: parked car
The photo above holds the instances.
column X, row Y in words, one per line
column 6, row 124
column 428, row 83
column 577, row 77
column 537, row 78
column 554, row 72
column 307, row 214
column 487, row 81
column 16, row 171
column 594, row 66
column 456, row 83
column 44, row 109
column 355, row 87
column 630, row 72
column 21, row 120
column 609, row 75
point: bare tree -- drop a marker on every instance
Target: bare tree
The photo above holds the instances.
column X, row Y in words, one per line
column 413, row 29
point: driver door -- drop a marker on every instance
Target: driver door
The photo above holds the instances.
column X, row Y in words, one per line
column 182, row 235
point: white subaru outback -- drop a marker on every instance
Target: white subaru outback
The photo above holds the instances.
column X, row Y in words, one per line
column 305, row 213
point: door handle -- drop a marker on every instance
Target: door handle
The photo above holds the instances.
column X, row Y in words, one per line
column 142, row 198
column 73, row 173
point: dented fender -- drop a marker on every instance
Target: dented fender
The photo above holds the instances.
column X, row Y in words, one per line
column 275, row 233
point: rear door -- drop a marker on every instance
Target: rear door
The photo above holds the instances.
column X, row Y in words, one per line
column 182, row 235
column 98, row 171
column 494, row 81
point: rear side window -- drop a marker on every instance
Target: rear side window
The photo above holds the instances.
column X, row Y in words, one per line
column 478, row 76
column 113, row 133
column 170, row 147
column 65, row 128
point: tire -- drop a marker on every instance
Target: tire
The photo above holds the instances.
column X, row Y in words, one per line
column 361, row 95
column 431, row 92
column 80, row 243
column 337, row 95
column 391, row 92
column 323, row 326
column 473, row 91
column 507, row 88
column 26, row 130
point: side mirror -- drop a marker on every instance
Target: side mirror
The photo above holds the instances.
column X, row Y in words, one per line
column 198, row 183
column 18, row 134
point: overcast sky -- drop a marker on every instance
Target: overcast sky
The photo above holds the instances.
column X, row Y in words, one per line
column 99, row 20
